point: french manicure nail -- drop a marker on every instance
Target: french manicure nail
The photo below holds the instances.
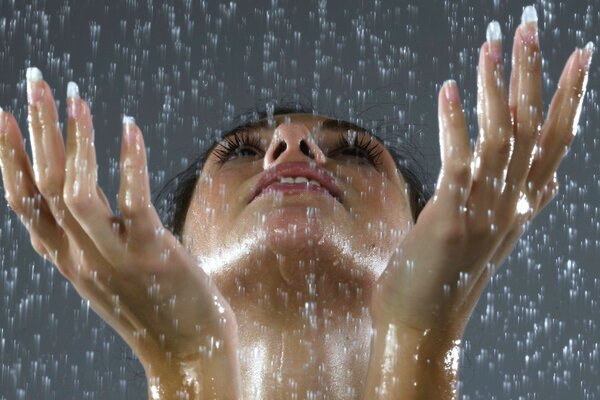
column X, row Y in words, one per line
column 128, row 123
column 73, row 100
column 494, row 39
column 585, row 56
column 529, row 31
column 35, row 91
column 2, row 121
column 451, row 91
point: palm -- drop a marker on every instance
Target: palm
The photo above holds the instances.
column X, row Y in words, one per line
column 135, row 273
column 468, row 229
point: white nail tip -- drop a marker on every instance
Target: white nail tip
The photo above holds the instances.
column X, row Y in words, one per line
column 494, row 32
column 72, row 90
column 33, row 74
column 529, row 15
column 1, row 110
column 589, row 47
column 128, row 120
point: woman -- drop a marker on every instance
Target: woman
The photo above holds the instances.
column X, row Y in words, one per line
column 327, row 286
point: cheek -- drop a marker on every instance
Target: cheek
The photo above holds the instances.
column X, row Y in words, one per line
column 214, row 203
column 381, row 209
column 222, row 194
column 376, row 191
column 209, row 213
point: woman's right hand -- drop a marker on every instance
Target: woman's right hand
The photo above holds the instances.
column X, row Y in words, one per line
column 135, row 273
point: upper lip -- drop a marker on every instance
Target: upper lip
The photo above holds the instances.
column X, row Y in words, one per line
column 296, row 169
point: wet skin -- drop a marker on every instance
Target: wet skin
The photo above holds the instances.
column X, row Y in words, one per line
column 291, row 279
column 295, row 284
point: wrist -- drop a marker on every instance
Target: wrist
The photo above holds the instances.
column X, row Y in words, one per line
column 412, row 364
column 211, row 372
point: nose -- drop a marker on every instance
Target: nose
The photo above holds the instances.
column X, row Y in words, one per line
column 292, row 142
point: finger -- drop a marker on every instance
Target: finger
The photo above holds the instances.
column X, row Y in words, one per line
column 103, row 230
column 514, row 75
column 552, row 189
column 527, row 214
column 528, row 104
column 22, row 194
column 453, row 184
column 495, row 129
column 563, row 117
column 507, row 246
column 46, row 141
column 135, row 203
column 39, row 247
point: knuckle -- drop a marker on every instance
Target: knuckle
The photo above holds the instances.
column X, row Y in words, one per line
column 50, row 185
column 461, row 170
column 452, row 234
column 481, row 229
column 529, row 128
column 78, row 202
column 68, row 272
column 38, row 246
column 503, row 146
column 126, row 204
column 14, row 202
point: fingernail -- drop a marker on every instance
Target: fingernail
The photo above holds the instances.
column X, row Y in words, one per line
column 529, row 31
column 585, row 56
column 451, row 91
column 128, row 123
column 73, row 100
column 35, row 90
column 494, row 39
column 2, row 121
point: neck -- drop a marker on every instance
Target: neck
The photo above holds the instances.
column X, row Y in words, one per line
column 308, row 333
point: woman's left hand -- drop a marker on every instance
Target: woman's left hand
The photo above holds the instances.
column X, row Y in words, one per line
column 480, row 207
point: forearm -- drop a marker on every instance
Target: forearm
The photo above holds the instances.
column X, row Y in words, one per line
column 407, row 365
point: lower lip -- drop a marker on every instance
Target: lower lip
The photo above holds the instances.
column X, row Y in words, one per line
column 294, row 188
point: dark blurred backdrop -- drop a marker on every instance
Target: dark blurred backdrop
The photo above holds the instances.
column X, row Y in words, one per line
column 185, row 69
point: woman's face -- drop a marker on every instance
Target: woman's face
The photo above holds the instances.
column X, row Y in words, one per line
column 243, row 220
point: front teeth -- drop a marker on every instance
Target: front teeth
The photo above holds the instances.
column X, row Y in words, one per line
column 299, row 179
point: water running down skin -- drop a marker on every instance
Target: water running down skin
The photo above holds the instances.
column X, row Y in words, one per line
column 309, row 296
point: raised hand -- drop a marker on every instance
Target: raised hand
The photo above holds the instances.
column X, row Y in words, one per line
column 135, row 273
column 482, row 202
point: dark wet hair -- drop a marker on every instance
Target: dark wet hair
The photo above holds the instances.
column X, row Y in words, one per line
column 173, row 199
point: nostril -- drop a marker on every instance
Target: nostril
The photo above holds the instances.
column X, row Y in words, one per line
column 305, row 149
column 280, row 149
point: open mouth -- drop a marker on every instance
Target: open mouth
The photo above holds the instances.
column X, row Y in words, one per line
column 297, row 177
column 298, row 185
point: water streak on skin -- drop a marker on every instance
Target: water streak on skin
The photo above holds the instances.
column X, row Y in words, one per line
column 191, row 378
column 451, row 364
column 154, row 392
column 256, row 356
column 228, row 255
column 390, row 357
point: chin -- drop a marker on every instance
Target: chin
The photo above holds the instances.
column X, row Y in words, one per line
column 293, row 229
column 312, row 247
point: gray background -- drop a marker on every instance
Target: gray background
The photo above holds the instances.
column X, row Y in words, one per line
column 185, row 68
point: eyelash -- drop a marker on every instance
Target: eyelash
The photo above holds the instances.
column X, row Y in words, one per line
column 362, row 142
column 238, row 141
column 235, row 143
